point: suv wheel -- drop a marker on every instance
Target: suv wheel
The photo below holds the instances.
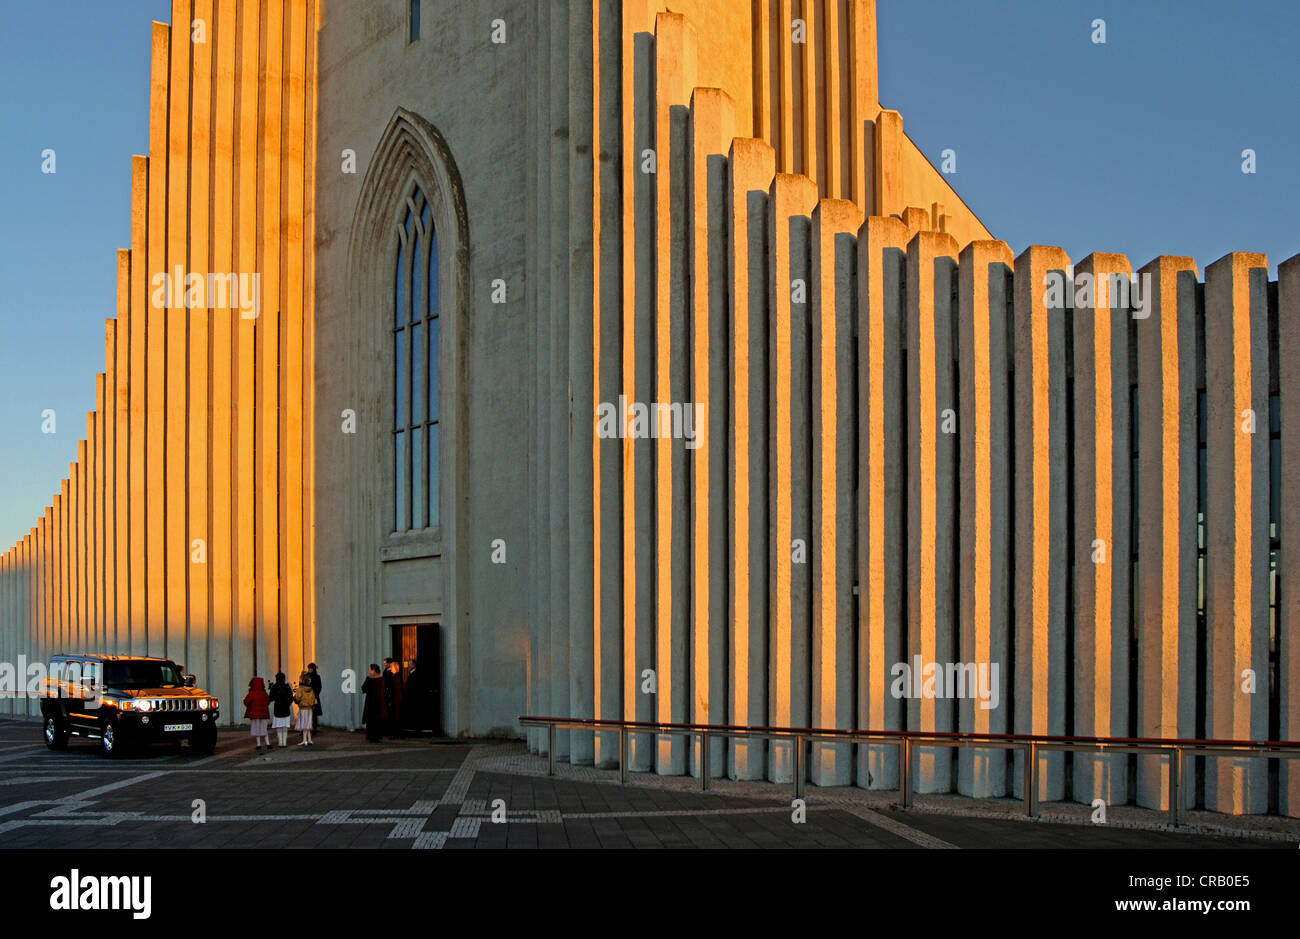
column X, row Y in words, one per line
column 110, row 742
column 56, row 734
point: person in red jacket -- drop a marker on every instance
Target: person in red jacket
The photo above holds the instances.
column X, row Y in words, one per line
column 257, row 708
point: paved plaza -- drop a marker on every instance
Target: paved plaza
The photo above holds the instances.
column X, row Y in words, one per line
column 417, row 794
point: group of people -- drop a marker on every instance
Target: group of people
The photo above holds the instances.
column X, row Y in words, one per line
column 394, row 706
column 274, row 706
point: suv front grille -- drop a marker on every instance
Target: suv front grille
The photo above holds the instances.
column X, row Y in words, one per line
column 173, row 704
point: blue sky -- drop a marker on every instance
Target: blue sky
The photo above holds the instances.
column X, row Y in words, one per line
column 1133, row 146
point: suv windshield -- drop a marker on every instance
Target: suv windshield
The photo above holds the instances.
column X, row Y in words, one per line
column 132, row 675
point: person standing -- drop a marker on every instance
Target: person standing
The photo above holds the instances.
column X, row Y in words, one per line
column 393, row 697
column 281, row 696
column 255, row 709
column 373, row 714
column 417, row 699
column 305, row 698
column 316, row 685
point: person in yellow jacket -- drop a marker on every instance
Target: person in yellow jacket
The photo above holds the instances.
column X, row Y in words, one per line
column 305, row 698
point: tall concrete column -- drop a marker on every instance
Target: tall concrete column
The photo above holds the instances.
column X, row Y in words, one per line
column 1237, row 526
column 119, row 405
column 132, row 603
column 175, row 482
column 1288, row 600
column 793, row 201
column 752, row 167
column 202, row 322
column 712, row 130
column 834, row 425
column 558, row 413
column 249, row 162
column 581, row 364
column 881, row 283
column 639, row 286
column 222, row 341
column 1040, row 509
column 1166, row 512
column 1103, row 542
column 932, row 423
column 607, row 543
column 675, row 46
column 154, row 618
column 984, row 444
column 539, row 259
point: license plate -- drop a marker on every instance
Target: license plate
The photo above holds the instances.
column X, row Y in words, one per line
column 170, row 727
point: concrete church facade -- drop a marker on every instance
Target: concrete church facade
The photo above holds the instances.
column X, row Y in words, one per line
column 474, row 232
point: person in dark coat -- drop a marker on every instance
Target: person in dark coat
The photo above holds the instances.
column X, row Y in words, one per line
column 393, row 698
column 281, row 695
column 414, row 698
column 374, row 713
column 316, row 685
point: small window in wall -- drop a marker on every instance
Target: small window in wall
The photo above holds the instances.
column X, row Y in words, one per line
column 415, row 20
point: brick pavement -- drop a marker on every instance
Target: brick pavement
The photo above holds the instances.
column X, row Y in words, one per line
column 457, row 795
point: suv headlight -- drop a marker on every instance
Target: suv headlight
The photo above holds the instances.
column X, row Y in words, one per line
column 203, row 704
column 145, row 705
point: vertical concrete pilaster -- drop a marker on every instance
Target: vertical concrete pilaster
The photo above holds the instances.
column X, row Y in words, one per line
column 712, row 129
column 835, row 225
column 269, row 326
column 1237, row 527
column 175, row 481
column 248, row 157
column 638, row 382
column 864, row 101
column 132, row 598
column 675, row 51
column 295, row 649
column 1041, row 296
column 932, row 424
column 608, row 377
column 1288, row 600
column 154, row 595
column 1166, row 500
column 793, row 200
column 1102, row 538
column 881, row 278
column 582, row 311
column 197, row 647
column 751, row 167
column 222, row 339
column 888, row 164
column 984, row 442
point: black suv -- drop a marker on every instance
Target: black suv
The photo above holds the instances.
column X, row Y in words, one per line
column 124, row 701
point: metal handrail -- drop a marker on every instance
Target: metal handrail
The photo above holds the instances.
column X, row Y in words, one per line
column 1175, row 748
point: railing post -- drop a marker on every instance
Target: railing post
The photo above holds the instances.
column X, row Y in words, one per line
column 798, row 766
column 622, row 755
column 1031, row 780
column 704, row 760
column 905, row 773
column 550, row 749
column 1175, row 786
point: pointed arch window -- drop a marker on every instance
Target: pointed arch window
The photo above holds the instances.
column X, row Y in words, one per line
column 415, row 369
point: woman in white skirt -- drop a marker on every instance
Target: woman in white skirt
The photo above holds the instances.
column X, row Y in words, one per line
column 305, row 698
column 281, row 696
